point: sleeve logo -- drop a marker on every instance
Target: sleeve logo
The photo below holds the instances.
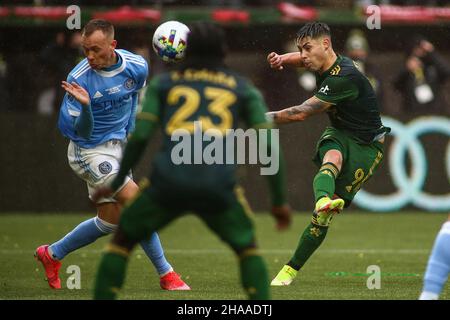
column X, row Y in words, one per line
column 324, row 89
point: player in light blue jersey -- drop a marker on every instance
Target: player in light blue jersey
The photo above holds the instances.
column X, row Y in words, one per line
column 97, row 114
column 438, row 267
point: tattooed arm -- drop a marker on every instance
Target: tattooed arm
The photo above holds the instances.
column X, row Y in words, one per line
column 301, row 112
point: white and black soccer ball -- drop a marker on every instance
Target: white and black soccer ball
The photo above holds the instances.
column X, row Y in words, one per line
column 170, row 41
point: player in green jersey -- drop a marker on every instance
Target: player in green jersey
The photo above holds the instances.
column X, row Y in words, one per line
column 349, row 151
column 207, row 95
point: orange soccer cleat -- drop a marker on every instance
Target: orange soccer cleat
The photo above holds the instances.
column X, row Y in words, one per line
column 51, row 266
column 172, row 281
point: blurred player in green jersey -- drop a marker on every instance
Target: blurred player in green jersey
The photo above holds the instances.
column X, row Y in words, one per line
column 202, row 94
column 349, row 151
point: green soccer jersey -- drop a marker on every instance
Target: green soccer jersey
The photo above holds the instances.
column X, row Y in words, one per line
column 193, row 101
column 354, row 109
column 195, row 109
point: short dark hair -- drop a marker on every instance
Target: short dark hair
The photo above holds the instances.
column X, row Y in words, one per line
column 98, row 24
column 313, row 30
column 206, row 41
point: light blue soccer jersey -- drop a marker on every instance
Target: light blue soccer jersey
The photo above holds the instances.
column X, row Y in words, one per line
column 114, row 97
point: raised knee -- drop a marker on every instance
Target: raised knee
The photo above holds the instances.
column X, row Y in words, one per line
column 334, row 157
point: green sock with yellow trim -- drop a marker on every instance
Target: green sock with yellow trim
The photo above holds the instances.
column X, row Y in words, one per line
column 324, row 181
column 310, row 240
column 254, row 277
column 110, row 276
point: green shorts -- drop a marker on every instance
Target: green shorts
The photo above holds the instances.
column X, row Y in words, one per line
column 146, row 215
column 360, row 161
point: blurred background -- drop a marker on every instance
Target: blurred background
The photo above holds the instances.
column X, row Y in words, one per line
column 407, row 61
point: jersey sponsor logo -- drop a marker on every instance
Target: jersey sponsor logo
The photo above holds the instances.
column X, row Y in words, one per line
column 114, row 89
column 97, row 95
column 129, row 84
column 324, row 89
column 105, row 167
column 410, row 186
column 114, row 104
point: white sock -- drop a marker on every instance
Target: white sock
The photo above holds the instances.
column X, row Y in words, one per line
column 50, row 253
column 165, row 273
column 429, row 296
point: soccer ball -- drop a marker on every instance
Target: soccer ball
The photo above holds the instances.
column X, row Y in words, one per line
column 170, row 40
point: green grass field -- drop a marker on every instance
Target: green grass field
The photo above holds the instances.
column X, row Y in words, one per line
column 398, row 243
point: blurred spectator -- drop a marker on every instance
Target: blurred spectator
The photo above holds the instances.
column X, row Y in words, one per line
column 357, row 48
column 57, row 58
column 421, row 80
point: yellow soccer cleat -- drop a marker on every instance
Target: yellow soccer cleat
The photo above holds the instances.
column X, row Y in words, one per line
column 326, row 208
column 285, row 277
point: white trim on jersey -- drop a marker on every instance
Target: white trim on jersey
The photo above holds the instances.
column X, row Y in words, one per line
column 136, row 62
column 112, row 73
column 80, row 70
column 81, row 66
column 134, row 57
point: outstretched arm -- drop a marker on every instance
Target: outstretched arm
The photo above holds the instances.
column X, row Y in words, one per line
column 299, row 113
column 277, row 61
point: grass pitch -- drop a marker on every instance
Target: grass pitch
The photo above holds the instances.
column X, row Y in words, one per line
column 399, row 243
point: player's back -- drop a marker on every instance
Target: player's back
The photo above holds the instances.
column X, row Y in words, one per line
column 199, row 108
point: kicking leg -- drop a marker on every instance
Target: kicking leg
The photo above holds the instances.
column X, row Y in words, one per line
column 326, row 207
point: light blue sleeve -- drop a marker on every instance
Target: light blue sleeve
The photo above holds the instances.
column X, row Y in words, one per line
column 132, row 121
column 83, row 118
column 70, row 103
column 142, row 76
column 84, row 124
